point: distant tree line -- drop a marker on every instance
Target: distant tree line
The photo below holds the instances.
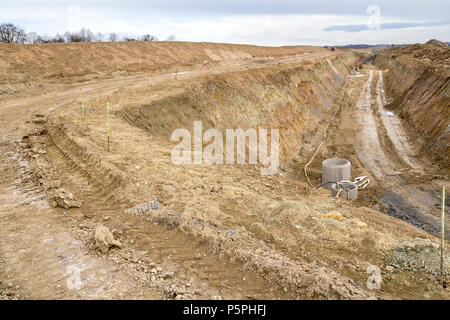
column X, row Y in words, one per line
column 11, row 33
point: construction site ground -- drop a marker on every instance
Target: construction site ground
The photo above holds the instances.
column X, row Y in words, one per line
column 220, row 231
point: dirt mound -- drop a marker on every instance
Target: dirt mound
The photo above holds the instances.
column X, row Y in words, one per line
column 61, row 61
column 434, row 53
column 436, row 43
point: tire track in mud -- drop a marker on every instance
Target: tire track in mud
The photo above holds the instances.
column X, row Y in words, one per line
column 397, row 135
column 189, row 258
column 38, row 255
column 369, row 149
column 404, row 200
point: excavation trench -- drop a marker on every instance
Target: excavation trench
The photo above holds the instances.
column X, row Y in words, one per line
column 385, row 151
column 226, row 230
column 296, row 101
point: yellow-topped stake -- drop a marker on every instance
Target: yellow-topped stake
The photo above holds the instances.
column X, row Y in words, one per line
column 108, row 126
column 83, row 107
column 442, row 235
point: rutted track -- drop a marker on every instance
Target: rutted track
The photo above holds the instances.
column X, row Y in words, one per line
column 207, row 275
column 385, row 150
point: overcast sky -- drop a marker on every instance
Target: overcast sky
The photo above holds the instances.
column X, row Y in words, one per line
column 262, row 22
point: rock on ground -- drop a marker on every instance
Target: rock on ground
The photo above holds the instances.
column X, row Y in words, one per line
column 60, row 197
column 104, row 239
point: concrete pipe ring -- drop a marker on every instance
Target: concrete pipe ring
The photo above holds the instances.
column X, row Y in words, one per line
column 335, row 170
column 349, row 190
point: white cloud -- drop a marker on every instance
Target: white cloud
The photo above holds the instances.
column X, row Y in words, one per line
column 257, row 28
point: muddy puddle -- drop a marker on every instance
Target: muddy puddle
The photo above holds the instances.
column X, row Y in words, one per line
column 398, row 207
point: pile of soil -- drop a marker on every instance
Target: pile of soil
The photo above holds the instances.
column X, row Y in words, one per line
column 434, row 50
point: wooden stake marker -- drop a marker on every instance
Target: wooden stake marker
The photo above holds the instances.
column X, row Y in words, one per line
column 442, row 235
column 108, row 126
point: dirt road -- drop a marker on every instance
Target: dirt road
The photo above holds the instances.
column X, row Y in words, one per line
column 384, row 149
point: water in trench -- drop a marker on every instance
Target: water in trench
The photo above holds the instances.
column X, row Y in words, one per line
column 415, row 204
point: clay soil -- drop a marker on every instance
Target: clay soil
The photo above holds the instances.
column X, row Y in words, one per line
column 219, row 231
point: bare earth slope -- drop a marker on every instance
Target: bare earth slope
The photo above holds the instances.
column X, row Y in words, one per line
column 220, row 231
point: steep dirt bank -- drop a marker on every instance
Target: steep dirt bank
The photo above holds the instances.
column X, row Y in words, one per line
column 418, row 80
column 297, row 100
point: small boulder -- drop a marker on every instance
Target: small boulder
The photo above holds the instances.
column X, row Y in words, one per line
column 168, row 275
column 104, row 239
column 389, row 268
column 60, row 197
